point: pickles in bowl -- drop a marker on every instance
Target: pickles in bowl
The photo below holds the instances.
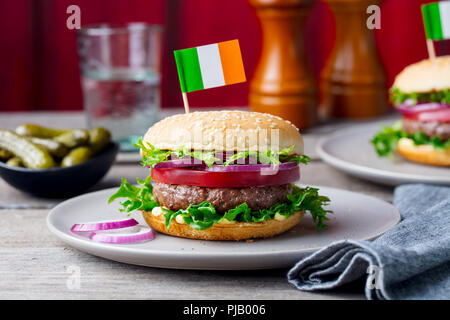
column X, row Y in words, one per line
column 55, row 162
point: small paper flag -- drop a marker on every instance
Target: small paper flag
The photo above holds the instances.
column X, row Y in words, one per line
column 210, row 66
column 436, row 18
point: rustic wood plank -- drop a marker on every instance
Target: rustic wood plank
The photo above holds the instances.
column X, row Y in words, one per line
column 34, row 265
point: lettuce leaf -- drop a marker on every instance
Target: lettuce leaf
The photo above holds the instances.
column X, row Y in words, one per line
column 203, row 216
column 385, row 141
column 198, row 216
column 137, row 197
column 151, row 156
column 269, row 157
column 397, row 97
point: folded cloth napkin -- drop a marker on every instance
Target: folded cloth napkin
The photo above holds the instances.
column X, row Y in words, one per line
column 410, row 261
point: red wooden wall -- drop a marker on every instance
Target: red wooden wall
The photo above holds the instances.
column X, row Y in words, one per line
column 39, row 63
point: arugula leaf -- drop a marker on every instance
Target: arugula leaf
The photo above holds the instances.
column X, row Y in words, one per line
column 150, row 155
column 198, row 216
column 239, row 155
column 297, row 159
column 204, row 216
column 269, row 157
column 385, row 142
column 169, row 215
column 208, row 157
column 242, row 209
column 309, row 200
column 138, row 198
column 397, row 97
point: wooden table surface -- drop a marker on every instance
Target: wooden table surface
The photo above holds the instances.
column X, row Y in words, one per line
column 35, row 264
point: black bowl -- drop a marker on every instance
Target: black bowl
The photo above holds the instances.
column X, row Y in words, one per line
column 61, row 182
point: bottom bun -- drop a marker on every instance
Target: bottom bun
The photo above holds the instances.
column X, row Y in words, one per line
column 229, row 231
column 425, row 154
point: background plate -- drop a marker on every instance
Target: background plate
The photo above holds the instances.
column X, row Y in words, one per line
column 355, row 216
column 350, row 150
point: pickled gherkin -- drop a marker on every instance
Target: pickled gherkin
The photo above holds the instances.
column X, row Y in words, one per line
column 55, row 148
column 99, row 138
column 73, row 138
column 14, row 162
column 32, row 155
column 77, row 156
column 5, row 155
column 37, row 131
column 37, row 147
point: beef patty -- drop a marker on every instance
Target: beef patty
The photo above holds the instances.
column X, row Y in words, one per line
column 177, row 197
column 430, row 128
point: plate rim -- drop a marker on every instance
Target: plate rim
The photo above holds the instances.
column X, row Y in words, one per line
column 68, row 239
column 364, row 171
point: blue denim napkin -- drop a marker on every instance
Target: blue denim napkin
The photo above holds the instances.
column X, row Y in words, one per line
column 411, row 261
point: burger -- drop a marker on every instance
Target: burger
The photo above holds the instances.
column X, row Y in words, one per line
column 421, row 92
column 222, row 175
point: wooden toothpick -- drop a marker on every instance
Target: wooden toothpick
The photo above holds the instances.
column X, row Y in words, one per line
column 430, row 47
column 186, row 102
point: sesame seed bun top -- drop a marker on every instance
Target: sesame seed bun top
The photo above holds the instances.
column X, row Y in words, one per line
column 429, row 75
column 225, row 131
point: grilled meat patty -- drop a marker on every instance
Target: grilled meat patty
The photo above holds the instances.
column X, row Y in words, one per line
column 430, row 128
column 177, row 197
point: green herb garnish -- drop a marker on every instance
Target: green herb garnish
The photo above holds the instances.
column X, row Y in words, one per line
column 397, row 97
column 137, row 197
column 268, row 157
column 385, row 142
column 151, row 156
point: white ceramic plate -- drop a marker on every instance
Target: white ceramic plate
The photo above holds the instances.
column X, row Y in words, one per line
column 350, row 150
column 355, row 216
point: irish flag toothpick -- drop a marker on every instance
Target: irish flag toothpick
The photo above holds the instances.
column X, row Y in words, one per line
column 210, row 66
column 436, row 18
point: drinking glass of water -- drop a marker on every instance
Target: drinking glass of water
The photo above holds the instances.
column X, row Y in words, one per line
column 120, row 75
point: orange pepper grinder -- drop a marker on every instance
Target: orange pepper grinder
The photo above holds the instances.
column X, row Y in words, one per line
column 282, row 84
column 353, row 83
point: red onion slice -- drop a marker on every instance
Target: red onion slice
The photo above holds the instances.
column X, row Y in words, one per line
column 132, row 229
column 103, row 225
column 249, row 167
column 117, row 238
column 407, row 108
column 179, row 163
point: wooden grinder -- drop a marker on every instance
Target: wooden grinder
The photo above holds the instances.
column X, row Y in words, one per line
column 353, row 82
column 282, row 84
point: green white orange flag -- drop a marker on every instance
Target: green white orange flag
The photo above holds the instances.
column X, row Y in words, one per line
column 436, row 18
column 210, row 66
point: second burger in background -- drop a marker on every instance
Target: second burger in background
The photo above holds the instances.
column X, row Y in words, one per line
column 421, row 92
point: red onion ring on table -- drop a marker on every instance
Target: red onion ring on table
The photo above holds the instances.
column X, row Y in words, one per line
column 103, row 225
column 116, row 238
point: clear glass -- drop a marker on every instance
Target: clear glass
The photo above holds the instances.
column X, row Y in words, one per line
column 120, row 76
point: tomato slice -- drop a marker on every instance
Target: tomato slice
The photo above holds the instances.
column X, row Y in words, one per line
column 441, row 115
column 211, row 179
